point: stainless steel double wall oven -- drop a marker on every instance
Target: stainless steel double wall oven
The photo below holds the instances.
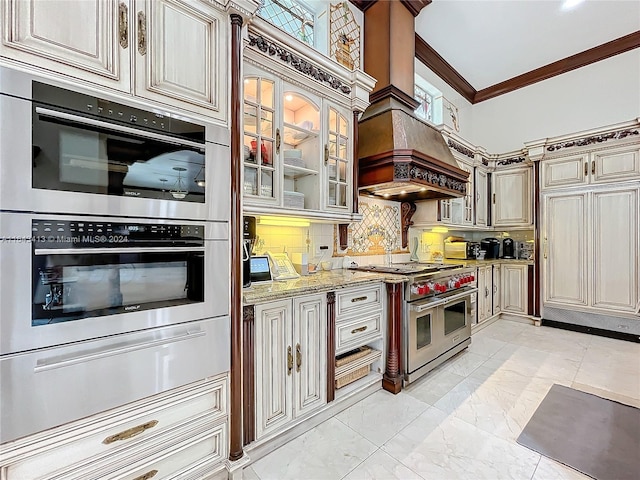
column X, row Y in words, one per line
column 114, row 252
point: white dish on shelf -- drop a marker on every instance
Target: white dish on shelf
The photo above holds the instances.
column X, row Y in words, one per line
column 292, row 153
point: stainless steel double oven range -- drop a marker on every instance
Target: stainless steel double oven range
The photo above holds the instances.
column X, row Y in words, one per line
column 114, row 252
column 439, row 307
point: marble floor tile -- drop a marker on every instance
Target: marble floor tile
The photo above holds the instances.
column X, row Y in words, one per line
column 371, row 419
column 549, row 469
column 464, row 363
column 618, row 377
column 249, row 473
column 327, row 452
column 485, row 345
column 382, row 466
column 439, row 446
column 503, row 330
column 434, row 385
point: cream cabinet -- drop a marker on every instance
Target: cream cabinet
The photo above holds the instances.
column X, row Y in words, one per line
column 514, row 288
column 297, row 149
column 291, row 352
column 489, row 292
column 482, row 197
column 181, row 433
column 590, row 249
column 595, row 167
column 497, row 291
column 511, row 200
column 171, row 51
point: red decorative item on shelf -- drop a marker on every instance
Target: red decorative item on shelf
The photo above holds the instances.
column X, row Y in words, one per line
column 263, row 152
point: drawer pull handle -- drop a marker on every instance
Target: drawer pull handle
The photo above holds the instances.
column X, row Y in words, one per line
column 147, row 475
column 289, row 361
column 358, row 299
column 278, row 140
column 131, row 432
column 358, row 330
column 298, row 357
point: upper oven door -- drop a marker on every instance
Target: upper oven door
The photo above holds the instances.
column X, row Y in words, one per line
column 64, row 151
column 56, row 291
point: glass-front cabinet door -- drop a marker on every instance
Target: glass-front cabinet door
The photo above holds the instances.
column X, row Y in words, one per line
column 300, row 150
column 260, row 135
column 297, row 149
column 337, row 159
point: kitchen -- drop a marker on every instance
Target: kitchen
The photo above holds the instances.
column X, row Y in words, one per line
column 313, row 185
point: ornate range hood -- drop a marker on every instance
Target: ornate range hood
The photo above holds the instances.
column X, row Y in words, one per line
column 400, row 157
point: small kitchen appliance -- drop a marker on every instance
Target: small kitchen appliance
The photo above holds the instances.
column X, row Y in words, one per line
column 461, row 250
column 508, row 248
column 491, row 246
column 248, row 239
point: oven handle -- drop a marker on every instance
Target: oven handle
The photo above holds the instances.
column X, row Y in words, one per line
column 117, row 128
column 460, row 295
column 88, row 251
column 52, row 363
column 426, row 306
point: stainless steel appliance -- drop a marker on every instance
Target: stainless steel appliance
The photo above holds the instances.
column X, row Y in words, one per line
column 65, row 150
column 491, row 246
column 508, row 248
column 248, row 239
column 101, row 311
column 439, row 308
column 461, row 250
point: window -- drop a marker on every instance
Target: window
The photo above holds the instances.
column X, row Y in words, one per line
column 290, row 16
column 425, row 109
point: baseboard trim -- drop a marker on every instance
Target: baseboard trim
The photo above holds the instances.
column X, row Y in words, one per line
column 629, row 337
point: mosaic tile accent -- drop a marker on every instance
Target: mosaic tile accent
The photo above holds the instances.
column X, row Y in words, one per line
column 378, row 233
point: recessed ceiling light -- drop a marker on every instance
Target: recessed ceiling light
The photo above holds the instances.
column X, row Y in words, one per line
column 569, row 4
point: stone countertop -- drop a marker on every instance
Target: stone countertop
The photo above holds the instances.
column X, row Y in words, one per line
column 323, row 281
column 490, row 261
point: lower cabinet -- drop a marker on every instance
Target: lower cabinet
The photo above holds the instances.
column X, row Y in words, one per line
column 177, row 434
column 290, row 360
column 514, row 289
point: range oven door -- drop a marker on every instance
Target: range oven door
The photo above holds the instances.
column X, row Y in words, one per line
column 66, row 151
column 70, row 279
column 436, row 329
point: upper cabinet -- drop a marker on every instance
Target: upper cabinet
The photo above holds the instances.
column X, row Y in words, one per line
column 298, row 128
column 511, row 203
column 583, row 168
column 171, row 51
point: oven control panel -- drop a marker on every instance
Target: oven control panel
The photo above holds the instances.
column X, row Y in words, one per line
column 420, row 288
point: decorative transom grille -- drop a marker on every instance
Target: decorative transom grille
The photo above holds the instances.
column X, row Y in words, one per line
column 378, row 232
column 344, row 43
column 289, row 16
column 425, row 109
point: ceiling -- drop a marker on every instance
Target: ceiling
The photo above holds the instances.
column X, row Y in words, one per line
column 490, row 42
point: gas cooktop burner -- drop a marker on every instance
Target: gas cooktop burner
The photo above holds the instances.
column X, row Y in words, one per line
column 405, row 268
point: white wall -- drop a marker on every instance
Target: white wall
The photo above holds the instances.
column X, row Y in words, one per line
column 600, row 94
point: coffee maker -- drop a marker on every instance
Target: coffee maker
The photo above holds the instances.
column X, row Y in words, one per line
column 508, row 248
column 248, row 239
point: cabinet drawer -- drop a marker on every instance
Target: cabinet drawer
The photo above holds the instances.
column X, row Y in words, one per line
column 358, row 331
column 355, row 300
column 109, row 433
column 181, row 461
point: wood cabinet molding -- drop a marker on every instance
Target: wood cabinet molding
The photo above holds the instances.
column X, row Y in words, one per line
column 331, row 346
column 248, row 380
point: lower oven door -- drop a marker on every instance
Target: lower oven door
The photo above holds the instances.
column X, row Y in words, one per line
column 436, row 329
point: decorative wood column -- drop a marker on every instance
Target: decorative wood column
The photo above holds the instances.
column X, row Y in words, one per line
column 331, row 346
column 407, row 209
column 235, row 411
column 392, row 378
column 248, row 354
